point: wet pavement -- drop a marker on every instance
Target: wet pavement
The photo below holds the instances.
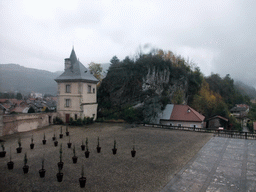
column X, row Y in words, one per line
column 160, row 154
column 223, row 164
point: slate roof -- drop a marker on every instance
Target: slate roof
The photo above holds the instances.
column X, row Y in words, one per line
column 77, row 71
column 182, row 113
column 238, row 109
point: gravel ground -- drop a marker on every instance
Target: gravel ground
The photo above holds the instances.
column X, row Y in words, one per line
column 161, row 153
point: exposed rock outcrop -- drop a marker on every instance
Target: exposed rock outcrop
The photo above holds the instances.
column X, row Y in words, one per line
column 147, row 86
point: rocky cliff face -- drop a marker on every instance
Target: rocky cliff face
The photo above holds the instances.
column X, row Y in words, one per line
column 146, row 86
column 164, row 90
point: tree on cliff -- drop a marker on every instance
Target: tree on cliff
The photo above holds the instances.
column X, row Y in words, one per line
column 150, row 81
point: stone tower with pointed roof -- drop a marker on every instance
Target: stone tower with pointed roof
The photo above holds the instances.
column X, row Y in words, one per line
column 77, row 96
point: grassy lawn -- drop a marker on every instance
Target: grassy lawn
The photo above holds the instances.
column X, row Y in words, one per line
column 160, row 154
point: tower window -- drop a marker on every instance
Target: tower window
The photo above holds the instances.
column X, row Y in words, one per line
column 68, row 88
column 89, row 88
column 68, row 103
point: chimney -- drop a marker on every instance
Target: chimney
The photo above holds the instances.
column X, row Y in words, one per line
column 67, row 63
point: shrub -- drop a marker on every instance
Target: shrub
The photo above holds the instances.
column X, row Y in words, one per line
column 85, row 121
column 71, row 121
column 58, row 121
column 79, row 122
column 235, row 125
column 100, row 120
column 31, row 110
column 90, row 120
column 131, row 115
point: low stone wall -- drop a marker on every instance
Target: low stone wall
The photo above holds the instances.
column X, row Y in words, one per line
column 25, row 122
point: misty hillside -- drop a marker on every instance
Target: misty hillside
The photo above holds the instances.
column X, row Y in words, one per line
column 14, row 77
column 246, row 89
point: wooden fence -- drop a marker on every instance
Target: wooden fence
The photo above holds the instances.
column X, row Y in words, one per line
column 219, row 133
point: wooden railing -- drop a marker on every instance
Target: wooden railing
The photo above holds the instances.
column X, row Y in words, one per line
column 219, row 133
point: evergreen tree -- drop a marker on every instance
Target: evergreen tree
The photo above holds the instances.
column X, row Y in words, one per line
column 19, row 96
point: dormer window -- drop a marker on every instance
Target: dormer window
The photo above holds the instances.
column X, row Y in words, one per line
column 68, row 88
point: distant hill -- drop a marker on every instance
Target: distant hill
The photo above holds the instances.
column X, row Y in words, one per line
column 246, row 89
column 14, row 77
column 105, row 66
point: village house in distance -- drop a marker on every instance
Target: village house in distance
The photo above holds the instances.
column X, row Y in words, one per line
column 77, row 97
column 181, row 116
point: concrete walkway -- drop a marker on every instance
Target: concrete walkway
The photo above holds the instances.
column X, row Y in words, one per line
column 223, row 164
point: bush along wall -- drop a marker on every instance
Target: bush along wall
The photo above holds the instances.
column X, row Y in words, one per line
column 58, row 121
column 80, row 122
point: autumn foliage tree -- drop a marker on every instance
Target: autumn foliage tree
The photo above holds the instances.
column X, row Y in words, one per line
column 209, row 103
column 96, row 70
column 226, row 88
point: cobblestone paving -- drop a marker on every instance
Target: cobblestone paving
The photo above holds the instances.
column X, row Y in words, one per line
column 223, row 164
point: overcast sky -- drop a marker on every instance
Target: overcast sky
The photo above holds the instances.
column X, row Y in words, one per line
column 219, row 36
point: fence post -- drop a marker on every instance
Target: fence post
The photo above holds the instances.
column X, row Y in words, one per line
column 245, row 135
column 218, row 133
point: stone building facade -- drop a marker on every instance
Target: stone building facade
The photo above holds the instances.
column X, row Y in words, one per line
column 77, row 92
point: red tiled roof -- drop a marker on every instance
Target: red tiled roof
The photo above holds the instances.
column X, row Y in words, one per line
column 13, row 100
column 254, row 125
column 3, row 100
column 242, row 105
column 6, row 105
column 18, row 109
column 217, row 116
column 54, row 98
column 185, row 113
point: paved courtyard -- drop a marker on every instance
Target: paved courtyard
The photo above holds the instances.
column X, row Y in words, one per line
column 223, row 164
column 161, row 153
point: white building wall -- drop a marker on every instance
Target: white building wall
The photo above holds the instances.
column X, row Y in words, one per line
column 182, row 123
column 89, row 97
column 90, row 111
